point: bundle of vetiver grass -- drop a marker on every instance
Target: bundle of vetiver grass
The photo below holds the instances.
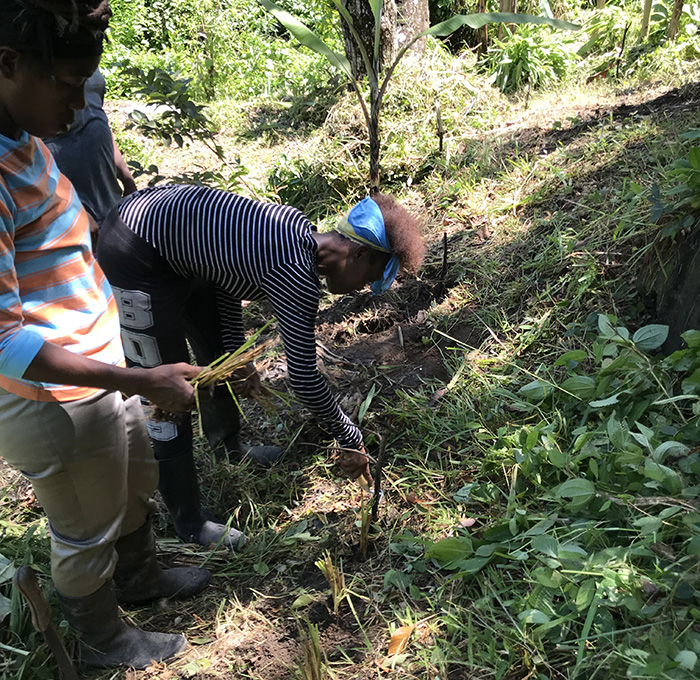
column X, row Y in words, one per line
column 224, row 370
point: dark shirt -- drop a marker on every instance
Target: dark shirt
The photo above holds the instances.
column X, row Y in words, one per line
column 85, row 154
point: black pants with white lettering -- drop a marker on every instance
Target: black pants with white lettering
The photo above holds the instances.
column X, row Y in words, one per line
column 160, row 312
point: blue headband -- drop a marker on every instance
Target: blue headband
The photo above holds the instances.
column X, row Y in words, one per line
column 365, row 225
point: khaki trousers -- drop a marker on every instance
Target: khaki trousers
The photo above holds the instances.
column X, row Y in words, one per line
column 92, row 468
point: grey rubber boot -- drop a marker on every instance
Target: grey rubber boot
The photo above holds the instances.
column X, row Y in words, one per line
column 138, row 578
column 179, row 489
column 221, row 425
column 106, row 641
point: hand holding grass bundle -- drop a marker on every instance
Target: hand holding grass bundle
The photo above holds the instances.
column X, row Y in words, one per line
column 236, row 370
column 355, row 464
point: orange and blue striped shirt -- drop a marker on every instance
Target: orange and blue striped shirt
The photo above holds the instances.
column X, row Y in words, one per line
column 51, row 287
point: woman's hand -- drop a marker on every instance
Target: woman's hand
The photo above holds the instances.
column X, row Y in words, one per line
column 166, row 386
column 355, row 464
column 246, row 381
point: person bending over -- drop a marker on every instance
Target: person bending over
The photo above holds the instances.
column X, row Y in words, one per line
column 182, row 258
column 64, row 421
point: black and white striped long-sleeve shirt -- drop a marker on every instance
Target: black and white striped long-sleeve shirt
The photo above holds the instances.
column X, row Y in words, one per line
column 250, row 250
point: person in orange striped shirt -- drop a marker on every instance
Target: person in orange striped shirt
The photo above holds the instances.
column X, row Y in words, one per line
column 70, row 417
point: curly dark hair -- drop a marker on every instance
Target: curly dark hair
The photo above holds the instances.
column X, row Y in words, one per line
column 51, row 29
column 403, row 231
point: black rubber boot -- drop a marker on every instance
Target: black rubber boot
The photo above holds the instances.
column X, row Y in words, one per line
column 221, row 424
column 138, row 578
column 179, row 489
column 106, row 641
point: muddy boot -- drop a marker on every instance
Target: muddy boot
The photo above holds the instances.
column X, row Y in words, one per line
column 138, row 578
column 221, row 425
column 106, row 641
column 179, row 489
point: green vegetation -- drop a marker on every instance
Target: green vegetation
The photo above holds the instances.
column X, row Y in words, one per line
column 540, row 515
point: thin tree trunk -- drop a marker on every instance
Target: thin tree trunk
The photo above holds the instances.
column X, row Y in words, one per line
column 644, row 30
column 505, row 6
column 483, row 33
column 675, row 20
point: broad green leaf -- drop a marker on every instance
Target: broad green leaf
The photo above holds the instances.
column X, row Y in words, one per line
column 694, row 546
column 582, row 386
column 687, row 659
column 542, row 527
column 692, row 383
column 478, row 20
column 557, row 458
column 617, row 431
column 450, row 552
column 669, row 448
column 585, row 594
column 661, row 473
column 650, row 337
column 627, row 360
column 655, row 470
column 302, row 601
column 605, row 327
column 694, row 157
column 648, row 525
column 573, row 355
column 307, row 37
column 487, row 549
column 532, row 438
column 578, row 490
column 692, row 338
column 609, row 401
column 261, row 568
column 7, row 569
column 5, row 607
column 471, row 566
column 571, row 551
column 546, row 544
column 462, row 496
column 548, row 577
column 533, row 616
column 535, row 390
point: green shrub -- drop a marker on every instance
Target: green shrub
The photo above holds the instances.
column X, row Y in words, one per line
column 228, row 48
column 533, row 55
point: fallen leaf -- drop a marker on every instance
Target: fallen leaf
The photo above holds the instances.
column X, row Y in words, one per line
column 399, row 639
column 467, row 521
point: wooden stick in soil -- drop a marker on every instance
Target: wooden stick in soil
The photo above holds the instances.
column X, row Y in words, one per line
column 378, row 477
